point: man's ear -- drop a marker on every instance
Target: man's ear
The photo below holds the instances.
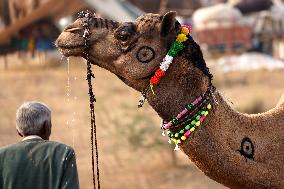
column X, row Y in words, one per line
column 46, row 131
column 19, row 133
column 168, row 23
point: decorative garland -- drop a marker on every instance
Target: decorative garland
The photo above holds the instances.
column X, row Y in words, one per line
column 176, row 47
column 191, row 117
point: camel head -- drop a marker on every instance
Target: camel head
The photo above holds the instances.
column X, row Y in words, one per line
column 130, row 50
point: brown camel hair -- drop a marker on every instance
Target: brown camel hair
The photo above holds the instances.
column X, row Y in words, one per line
column 134, row 50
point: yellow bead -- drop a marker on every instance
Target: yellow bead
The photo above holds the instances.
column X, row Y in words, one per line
column 209, row 106
column 174, row 140
column 192, row 129
column 183, row 138
column 197, row 123
column 206, row 113
column 178, row 141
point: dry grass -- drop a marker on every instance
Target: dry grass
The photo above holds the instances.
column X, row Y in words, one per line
column 133, row 154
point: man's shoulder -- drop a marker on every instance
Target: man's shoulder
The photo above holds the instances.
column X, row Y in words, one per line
column 7, row 147
column 58, row 149
column 59, row 145
column 40, row 143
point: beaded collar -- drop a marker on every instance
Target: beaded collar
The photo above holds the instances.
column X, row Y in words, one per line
column 180, row 127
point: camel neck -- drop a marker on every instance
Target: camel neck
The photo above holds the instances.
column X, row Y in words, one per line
column 178, row 88
column 190, row 118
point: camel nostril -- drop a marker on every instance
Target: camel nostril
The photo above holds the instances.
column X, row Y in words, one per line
column 72, row 29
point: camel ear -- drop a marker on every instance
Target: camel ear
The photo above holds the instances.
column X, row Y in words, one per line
column 168, row 22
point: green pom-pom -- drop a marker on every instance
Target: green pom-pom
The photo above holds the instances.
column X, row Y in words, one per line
column 172, row 53
column 180, row 46
column 175, row 48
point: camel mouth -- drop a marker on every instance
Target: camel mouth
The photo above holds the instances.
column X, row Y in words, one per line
column 63, row 46
column 70, row 50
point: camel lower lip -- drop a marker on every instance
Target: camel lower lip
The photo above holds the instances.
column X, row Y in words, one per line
column 67, row 51
column 70, row 47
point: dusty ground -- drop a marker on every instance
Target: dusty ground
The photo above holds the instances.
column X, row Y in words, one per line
column 133, row 154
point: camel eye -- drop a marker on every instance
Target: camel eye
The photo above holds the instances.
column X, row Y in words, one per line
column 123, row 38
column 124, row 33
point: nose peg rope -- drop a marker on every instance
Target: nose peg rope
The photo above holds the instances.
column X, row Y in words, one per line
column 90, row 76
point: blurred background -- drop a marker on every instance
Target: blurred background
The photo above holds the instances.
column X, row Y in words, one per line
column 243, row 44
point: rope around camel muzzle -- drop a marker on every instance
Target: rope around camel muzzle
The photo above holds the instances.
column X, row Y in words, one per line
column 90, row 76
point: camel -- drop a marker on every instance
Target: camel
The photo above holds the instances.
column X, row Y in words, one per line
column 235, row 149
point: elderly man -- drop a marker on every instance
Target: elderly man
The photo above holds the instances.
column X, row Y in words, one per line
column 36, row 162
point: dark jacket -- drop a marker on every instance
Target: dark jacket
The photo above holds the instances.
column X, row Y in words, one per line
column 38, row 164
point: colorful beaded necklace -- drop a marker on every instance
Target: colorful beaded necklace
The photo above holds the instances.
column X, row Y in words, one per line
column 189, row 119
